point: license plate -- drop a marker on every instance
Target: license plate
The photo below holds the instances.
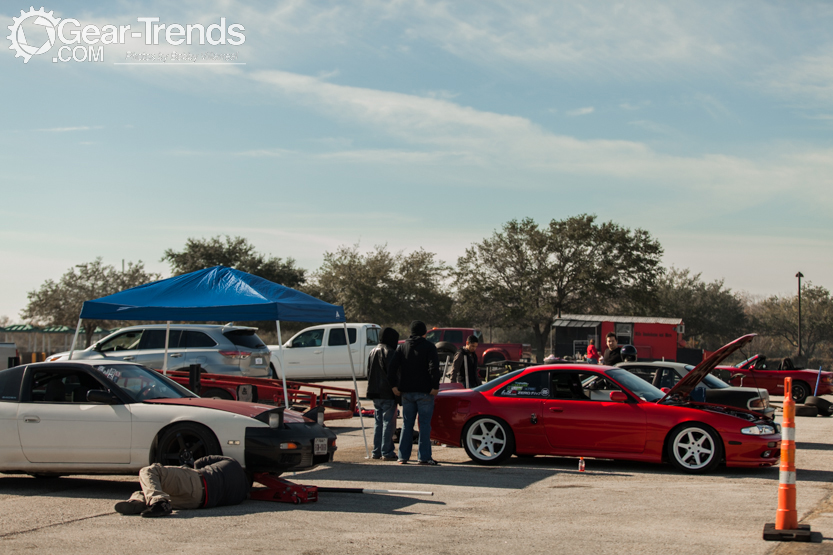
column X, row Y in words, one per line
column 258, row 360
column 320, row 446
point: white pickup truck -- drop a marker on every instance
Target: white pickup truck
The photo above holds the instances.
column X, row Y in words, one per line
column 320, row 352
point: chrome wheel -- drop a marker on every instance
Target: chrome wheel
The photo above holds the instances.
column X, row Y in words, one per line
column 489, row 441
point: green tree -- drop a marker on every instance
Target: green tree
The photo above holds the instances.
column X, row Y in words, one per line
column 233, row 252
column 384, row 287
column 525, row 275
column 58, row 303
column 713, row 314
column 778, row 317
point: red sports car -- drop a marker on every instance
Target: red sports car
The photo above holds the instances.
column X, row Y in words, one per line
column 604, row 412
column 756, row 371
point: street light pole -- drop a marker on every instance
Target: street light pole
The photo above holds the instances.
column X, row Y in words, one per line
column 799, row 275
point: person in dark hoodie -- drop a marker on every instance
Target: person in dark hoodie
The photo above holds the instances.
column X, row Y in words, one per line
column 214, row 481
column 464, row 366
column 414, row 373
column 384, row 401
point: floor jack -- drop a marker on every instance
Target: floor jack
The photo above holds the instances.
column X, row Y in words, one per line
column 284, row 491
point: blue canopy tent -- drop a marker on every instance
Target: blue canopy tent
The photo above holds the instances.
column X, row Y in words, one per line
column 216, row 294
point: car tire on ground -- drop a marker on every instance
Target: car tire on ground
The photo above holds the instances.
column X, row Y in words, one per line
column 694, row 448
column 184, row 443
column 488, row 440
column 823, row 405
column 800, row 391
column 217, row 394
column 807, row 410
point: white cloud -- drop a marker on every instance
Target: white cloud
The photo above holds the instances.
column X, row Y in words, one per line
column 69, row 129
column 581, row 111
column 496, row 140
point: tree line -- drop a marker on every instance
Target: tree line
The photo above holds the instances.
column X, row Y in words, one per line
column 519, row 279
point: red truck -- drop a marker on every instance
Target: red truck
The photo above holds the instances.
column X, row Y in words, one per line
column 449, row 340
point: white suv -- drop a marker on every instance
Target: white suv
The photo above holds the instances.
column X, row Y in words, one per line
column 234, row 350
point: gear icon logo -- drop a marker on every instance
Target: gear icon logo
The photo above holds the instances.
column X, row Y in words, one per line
column 19, row 43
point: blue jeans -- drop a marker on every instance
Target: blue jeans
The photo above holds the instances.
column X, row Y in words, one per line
column 414, row 404
column 383, row 427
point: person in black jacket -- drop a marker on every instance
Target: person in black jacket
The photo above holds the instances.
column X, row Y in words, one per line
column 414, row 373
column 384, row 401
column 464, row 365
column 613, row 354
column 214, row 481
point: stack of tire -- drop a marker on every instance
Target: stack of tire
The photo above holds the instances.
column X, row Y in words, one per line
column 814, row 406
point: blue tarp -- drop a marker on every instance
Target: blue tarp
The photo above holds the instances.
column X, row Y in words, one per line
column 214, row 294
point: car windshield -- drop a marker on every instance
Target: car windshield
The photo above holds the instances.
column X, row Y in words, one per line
column 710, row 381
column 497, row 381
column 140, row 383
column 638, row 386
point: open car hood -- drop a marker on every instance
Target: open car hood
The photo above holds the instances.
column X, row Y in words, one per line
column 252, row 410
column 688, row 382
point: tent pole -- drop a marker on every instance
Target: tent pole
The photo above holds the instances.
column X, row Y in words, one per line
column 283, row 368
column 356, row 387
column 74, row 339
column 167, row 338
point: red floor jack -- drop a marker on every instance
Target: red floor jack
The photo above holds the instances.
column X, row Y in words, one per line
column 285, row 491
column 282, row 490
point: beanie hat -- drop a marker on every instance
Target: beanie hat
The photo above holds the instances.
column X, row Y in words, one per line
column 418, row 328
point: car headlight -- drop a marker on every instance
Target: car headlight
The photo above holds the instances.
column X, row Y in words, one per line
column 759, row 430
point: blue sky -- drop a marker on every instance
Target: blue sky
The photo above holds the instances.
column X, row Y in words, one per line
column 426, row 124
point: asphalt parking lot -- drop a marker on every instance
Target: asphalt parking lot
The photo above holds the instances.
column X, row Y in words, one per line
column 540, row 505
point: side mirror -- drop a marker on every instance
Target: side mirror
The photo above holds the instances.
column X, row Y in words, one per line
column 618, row 397
column 102, row 396
column 97, row 347
column 665, row 389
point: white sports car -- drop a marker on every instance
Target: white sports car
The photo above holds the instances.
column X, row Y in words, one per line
column 95, row 417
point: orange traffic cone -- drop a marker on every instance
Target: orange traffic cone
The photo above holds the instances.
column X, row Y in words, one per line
column 786, row 526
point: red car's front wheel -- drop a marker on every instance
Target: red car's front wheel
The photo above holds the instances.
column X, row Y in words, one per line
column 694, row 448
column 488, row 440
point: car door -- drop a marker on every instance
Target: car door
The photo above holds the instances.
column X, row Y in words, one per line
column 10, row 381
column 304, row 356
column 56, row 424
column 580, row 417
column 336, row 357
column 520, row 404
column 151, row 352
column 199, row 348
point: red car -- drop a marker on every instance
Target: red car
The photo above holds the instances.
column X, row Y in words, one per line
column 757, row 372
column 604, row 412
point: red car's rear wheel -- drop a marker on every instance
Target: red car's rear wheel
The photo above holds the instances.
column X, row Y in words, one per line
column 488, row 440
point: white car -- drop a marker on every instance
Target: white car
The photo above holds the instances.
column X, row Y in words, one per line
column 102, row 417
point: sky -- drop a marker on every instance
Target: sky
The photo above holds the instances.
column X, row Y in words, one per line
column 417, row 124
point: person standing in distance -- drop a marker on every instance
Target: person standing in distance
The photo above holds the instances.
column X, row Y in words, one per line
column 384, row 401
column 464, row 365
column 613, row 354
column 414, row 373
column 592, row 353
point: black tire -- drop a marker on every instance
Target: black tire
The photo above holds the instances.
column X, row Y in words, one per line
column 493, row 358
column 687, row 444
column 217, row 394
column 488, row 440
column 800, row 391
column 184, row 443
column 825, row 407
column 807, row 410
